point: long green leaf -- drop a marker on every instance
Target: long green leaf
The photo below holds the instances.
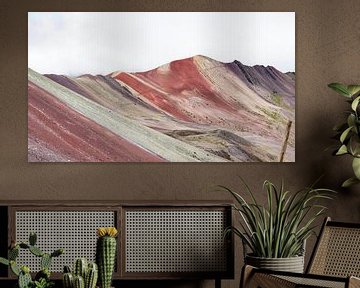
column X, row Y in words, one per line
column 340, row 88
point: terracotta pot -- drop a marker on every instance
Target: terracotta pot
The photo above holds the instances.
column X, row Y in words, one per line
column 291, row 264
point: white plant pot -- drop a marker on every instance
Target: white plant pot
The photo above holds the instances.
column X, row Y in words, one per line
column 291, row 264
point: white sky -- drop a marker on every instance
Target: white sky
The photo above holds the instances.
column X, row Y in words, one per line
column 99, row 43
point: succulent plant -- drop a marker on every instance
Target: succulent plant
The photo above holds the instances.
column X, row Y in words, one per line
column 24, row 277
column 106, row 254
column 42, row 283
column 42, row 278
column 85, row 275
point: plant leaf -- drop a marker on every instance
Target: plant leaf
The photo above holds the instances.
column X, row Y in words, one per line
column 354, row 145
column 349, row 182
column 342, row 150
column 4, row 261
column 356, row 167
column 351, row 120
column 353, row 89
column 340, row 127
column 345, row 134
column 340, row 88
column 355, row 103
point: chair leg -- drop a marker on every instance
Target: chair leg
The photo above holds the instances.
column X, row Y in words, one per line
column 246, row 274
column 354, row 282
column 251, row 279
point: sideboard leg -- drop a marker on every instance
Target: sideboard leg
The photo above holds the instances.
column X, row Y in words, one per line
column 217, row 283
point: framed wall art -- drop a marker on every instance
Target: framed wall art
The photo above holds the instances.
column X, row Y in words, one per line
column 161, row 87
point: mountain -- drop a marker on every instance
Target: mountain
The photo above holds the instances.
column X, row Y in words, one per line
column 194, row 109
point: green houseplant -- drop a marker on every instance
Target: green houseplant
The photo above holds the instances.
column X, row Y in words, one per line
column 275, row 233
column 348, row 132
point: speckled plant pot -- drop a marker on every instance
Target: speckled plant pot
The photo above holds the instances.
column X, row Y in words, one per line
column 291, row 264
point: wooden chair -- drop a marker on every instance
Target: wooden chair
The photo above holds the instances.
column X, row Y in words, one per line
column 335, row 262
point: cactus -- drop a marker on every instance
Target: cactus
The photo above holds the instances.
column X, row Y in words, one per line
column 36, row 251
column 24, row 280
column 91, row 276
column 80, row 267
column 14, row 268
column 42, row 278
column 13, row 253
column 90, row 272
column 24, row 245
column 68, row 280
column 32, row 238
column 79, row 282
column 105, row 255
column 43, row 274
column 45, row 261
column 57, row 253
column 67, row 269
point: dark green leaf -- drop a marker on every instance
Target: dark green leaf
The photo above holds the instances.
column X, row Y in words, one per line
column 351, row 120
column 32, row 238
column 24, row 245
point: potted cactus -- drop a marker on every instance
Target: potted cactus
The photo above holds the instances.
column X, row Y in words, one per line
column 84, row 275
column 42, row 278
column 106, row 254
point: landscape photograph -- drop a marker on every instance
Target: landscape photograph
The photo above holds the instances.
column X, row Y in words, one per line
column 161, row 87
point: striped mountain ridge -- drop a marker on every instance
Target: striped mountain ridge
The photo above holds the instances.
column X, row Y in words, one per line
column 194, row 109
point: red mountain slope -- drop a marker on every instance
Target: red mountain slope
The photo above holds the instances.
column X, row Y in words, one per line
column 206, row 110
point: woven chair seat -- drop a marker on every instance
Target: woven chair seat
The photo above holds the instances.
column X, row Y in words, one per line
column 314, row 282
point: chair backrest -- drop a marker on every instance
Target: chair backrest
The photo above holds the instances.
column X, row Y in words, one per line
column 337, row 251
